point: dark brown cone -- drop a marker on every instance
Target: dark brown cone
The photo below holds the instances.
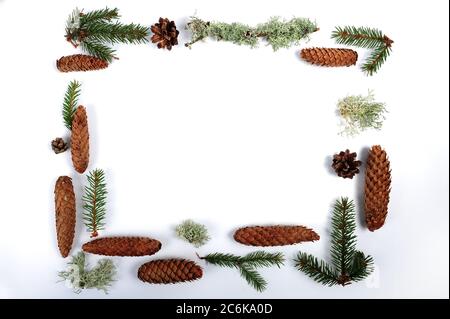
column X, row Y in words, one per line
column 80, row 140
column 59, row 145
column 377, row 188
column 274, row 235
column 123, row 246
column 80, row 62
column 169, row 271
column 345, row 164
column 165, row 33
column 330, row 56
column 65, row 214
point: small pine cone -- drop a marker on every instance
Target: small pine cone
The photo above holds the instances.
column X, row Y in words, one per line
column 165, row 33
column 169, row 271
column 345, row 164
column 377, row 188
column 123, row 246
column 65, row 214
column 59, row 145
column 330, row 56
column 274, row 235
column 80, row 62
column 80, row 140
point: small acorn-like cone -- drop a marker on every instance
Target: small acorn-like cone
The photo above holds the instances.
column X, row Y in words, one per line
column 330, row 56
column 80, row 140
column 169, row 271
column 65, row 214
column 123, row 246
column 274, row 235
column 377, row 188
column 80, row 62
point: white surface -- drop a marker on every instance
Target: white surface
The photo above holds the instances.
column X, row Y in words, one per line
column 228, row 136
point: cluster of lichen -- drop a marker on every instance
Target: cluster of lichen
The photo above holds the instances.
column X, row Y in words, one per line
column 278, row 33
column 192, row 232
column 360, row 112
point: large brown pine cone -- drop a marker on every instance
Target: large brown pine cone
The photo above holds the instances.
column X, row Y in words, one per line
column 80, row 62
column 169, row 271
column 377, row 188
column 80, row 140
column 330, row 56
column 274, row 235
column 65, row 214
column 165, row 33
column 123, row 246
column 345, row 164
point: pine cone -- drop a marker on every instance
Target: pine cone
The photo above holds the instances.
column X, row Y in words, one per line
column 345, row 164
column 65, row 214
column 123, row 246
column 59, row 145
column 80, row 62
column 329, row 56
column 377, row 188
column 169, row 271
column 274, row 235
column 80, row 140
column 165, row 34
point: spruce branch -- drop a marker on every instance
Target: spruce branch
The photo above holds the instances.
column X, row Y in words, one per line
column 347, row 264
column 368, row 38
column 94, row 202
column 247, row 265
column 98, row 50
column 101, row 14
column 70, row 103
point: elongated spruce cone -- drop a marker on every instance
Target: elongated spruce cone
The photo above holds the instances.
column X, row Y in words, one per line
column 80, row 62
column 274, row 235
column 65, row 214
column 377, row 188
column 123, row 246
column 80, row 140
column 169, row 271
column 330, row 56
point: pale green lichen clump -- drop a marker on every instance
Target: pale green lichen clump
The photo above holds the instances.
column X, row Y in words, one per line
column 278, row 33
column 192, row 232
column 360, row 112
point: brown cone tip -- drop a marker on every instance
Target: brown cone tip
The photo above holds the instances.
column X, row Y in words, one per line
column 123, row 246
column 169, row 271
column 377, row 188
column 80, row 140
column 80, row 62
column 329, row 56
column 274, row 235
column 65, row 214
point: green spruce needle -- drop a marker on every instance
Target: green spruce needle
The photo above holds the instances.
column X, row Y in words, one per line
column 95, row 202
column 192, row 232
column 70, row 103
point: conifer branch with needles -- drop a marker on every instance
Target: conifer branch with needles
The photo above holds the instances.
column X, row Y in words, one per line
column 70, row 103
column 347, row 264
column 95, row 202
column 247, row 265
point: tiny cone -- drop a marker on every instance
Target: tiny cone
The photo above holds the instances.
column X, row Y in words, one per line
column 123, row 246
column 80, row 140
column 330, row 56
column 65, row 214
column 274, row 235
column 80, row 62
column 169, row 271
column 377, row 188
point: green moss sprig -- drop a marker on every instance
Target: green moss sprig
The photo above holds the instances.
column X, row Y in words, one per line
column 192, row 232
column 278, row 33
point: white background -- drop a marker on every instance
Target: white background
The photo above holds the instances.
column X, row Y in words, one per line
column 228, row 136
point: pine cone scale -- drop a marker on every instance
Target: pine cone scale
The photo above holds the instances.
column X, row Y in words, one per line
column 123, row 246
column 274, row 235
column 80, row 140
column 65, row 214
column 169, row 271
column 329, row 56
column 80, row 62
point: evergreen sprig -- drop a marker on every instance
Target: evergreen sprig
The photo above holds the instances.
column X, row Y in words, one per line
column 368, row 38
column 278, row 33
column 70, row 103
column 247, row 265
column 347, row 264
column 77, row 275
column 94, row 30
column 95, row 202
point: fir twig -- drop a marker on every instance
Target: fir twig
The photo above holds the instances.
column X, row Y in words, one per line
column 70, row 103
column 348, row 264
column 253, row 277
column 101, row 14
column 95, row 202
